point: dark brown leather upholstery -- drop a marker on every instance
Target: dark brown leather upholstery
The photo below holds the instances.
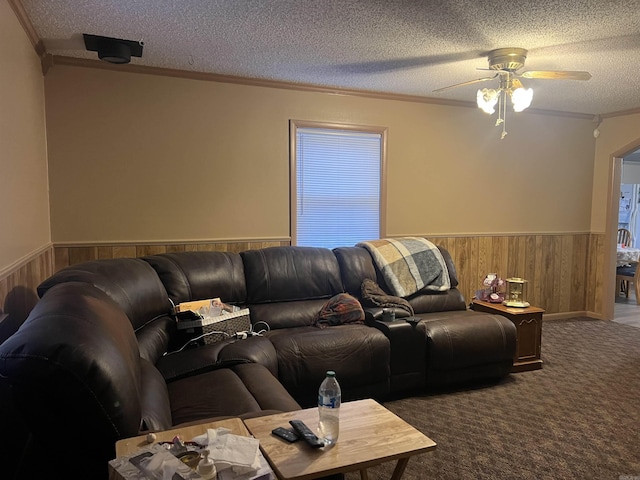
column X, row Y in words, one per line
column 227, row 392
column 74, row 368
column 190, row 276
column 136, row 288
column 358, row 354
column 100, row 353
column 74, row 371
column 468, row 346
column 459, row 345
column 282, row 274
column 286, row 289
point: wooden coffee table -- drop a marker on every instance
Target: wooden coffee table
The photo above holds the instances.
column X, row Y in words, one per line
column 369, row 435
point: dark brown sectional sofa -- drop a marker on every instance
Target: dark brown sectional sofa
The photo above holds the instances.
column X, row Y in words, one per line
column 97, row 359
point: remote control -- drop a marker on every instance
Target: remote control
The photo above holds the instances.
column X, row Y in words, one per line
column 286, row 433
column 304, row 431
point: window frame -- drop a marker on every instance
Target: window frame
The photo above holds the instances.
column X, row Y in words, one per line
column 294, row 125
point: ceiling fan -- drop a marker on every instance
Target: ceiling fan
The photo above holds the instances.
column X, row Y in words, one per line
column 506, row 62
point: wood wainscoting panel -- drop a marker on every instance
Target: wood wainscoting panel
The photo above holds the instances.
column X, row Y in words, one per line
column 595, row 257
column 18, row 290
column 71, row 255
column 561, row 269
column 564, row 271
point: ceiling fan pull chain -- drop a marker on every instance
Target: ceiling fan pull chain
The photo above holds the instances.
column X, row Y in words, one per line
column 503, row 114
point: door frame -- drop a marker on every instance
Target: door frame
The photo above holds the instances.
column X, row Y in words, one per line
column 611, row 227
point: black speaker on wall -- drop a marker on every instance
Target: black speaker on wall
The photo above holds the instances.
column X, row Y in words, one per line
column 113, row 50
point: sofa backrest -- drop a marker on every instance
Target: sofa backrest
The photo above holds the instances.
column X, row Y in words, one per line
column 356, row 265
column 136, row 288
column 278, row 276
column 189, row 276
column 75, row 376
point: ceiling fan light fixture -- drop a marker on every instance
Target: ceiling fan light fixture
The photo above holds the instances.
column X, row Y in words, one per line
column 487, row 99
column 521, row 98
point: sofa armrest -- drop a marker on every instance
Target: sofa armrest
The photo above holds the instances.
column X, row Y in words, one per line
column 226, row 353
column 408, row 351
column 373, row 314
column 253, row 349
column 180, row 364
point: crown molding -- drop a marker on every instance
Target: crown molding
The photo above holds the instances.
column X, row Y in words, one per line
column 306, row 87
column 621, row 113
column 28, row 27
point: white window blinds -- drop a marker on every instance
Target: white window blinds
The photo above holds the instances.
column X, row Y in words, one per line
column 337, row 187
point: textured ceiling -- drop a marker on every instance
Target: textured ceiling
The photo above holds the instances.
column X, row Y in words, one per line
column 397, row 46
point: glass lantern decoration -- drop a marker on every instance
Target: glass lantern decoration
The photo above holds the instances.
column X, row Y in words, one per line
column 516, row 293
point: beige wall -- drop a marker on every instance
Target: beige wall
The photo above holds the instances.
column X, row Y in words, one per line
column 24, row 202
column 136, row 157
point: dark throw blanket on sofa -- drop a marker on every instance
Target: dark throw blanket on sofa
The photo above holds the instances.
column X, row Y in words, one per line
column 374, row 296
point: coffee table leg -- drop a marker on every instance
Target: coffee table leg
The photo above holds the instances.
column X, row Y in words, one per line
column 399, row 470
column 363, row 474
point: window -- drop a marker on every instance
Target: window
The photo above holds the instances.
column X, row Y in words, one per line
column 336, row 179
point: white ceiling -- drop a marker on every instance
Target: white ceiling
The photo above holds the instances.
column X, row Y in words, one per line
column 397, row 46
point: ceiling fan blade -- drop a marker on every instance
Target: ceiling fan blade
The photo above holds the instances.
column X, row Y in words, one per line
column 470, row 82
column 380, row 66
column 556, row 75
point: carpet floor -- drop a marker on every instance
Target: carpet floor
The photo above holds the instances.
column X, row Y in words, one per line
column 577, row 418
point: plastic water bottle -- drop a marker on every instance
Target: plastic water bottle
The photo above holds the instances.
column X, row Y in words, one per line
column 329, row 397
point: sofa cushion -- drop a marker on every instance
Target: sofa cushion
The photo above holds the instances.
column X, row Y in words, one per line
column 282, row 274
column 156, row 337
column 239, row 390
column 285, row 314
column 431, row 302
column 356, row 265
column 358, row 354
column 466, row 346
column 266, row 389
column 191, row 276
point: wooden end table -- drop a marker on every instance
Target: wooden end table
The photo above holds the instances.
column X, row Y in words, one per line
column 369, row 435
column 528, row 322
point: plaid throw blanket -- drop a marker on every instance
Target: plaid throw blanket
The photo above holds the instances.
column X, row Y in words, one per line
column 409, row 264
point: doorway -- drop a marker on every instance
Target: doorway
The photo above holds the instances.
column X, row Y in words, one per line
column 626, row 309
